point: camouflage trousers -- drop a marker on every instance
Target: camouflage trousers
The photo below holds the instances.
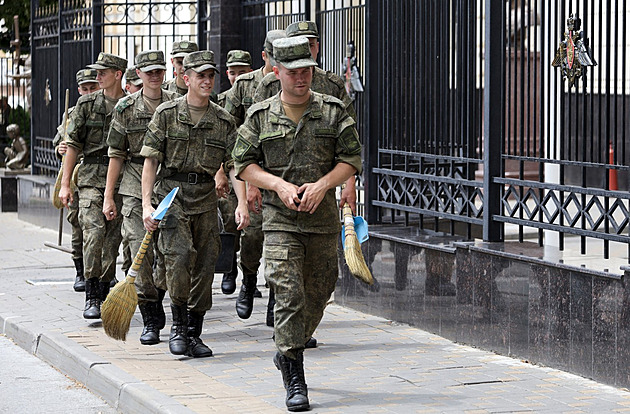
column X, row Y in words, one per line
column 250, row 241
column 101, row 238
column 77, row 233
column 190, row 245
column 302, row 270
column 133, row 233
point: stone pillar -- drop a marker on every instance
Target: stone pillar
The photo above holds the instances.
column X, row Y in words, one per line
column 224, row 35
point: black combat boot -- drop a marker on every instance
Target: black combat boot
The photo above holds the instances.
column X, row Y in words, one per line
column 178, row 341
column 245, row 300
column 257, row 293
column 270, row 306
column 196, row 347
column 113, row 282
column 160, row 316
column 104, row 291
column 92, row 299
column 150, row 333
column 228, row 284
column 79, row 280
column 293, row 377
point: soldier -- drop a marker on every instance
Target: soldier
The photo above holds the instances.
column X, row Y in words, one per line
column 87, row 132
column 299, row 145
column 180, row 50
column 87, row 83
column 189, row 138
column 133, row 83
column 238, row 100
column 239, row 62
column 126, row 135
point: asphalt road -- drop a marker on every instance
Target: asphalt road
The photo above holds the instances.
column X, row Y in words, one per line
column 29, row 385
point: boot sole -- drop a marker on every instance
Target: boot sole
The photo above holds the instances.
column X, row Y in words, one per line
column 302, row 407
column 149, row 342
column 80, row 289
column 91, row 317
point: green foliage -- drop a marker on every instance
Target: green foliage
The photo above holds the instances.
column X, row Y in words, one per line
column 21, row 8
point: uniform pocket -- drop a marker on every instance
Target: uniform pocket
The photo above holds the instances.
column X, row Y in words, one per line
column 214, row 153
column 126, row 210
column 84, row 203
column 276, row 252
column 275, row 147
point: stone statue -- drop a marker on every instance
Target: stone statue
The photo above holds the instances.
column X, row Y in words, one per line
column 17, row 155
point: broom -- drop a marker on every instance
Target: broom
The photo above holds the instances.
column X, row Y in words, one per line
column 55, row 195
column 352, row 249
column 120, row 304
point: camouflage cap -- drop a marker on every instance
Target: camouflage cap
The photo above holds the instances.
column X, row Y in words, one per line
column 304, row 28
column 109, row 61
column 184, row 47
column 293, row 52
column 149, row 60
column 132, row 77
column 200, row 61
column 271, row 36
column 86, row 76
column 238, row 58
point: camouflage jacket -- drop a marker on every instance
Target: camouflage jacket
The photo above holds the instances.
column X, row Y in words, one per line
column 126, row 135
column 241, row 96
column 171, row 86
column 87, row 132
column 182, row 147
column 324, row 82
column 59, row 135
column 302, row 153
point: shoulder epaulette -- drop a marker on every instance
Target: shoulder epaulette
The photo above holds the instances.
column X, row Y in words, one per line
column 124, row 103
column 258, row 107
column 246, row 76
column 336, row 79
column 87, row 98
column 223, row 114
column 331, row 99
column 268, row 79
column 166, row 105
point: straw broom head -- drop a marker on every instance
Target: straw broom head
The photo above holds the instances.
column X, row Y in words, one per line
column 352, row 250
column 120, row 305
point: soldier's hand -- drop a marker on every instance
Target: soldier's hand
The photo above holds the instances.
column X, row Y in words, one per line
column 312, row 195
column 241, row 217
column 62, row 148
column 221, row 185
column 254, row 199
column 349, row 195
column 65, row 195
column 288, row 193
column 149, row 223
column 109, row 209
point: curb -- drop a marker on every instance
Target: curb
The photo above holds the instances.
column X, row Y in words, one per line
column 121, row 390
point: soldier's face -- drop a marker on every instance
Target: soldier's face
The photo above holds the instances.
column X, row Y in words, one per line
column 295, row 83
column 313, row 44
column 178, row 65
column 131, row 88
column 234, row 72
column 107, row 77
column 88, row 88
column 152, row 79
column 201, row 83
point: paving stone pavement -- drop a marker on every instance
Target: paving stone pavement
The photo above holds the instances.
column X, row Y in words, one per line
column 364, row 364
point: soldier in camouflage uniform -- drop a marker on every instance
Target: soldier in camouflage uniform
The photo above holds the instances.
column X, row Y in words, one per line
column 179, row 52
column 87, row 83
column 87, row 132
column 126, row 135
column 133, row 83
column 238, row 100
column 300, row 145
column 189, row 138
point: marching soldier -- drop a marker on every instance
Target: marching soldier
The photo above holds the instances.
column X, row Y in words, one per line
column 189, row 138
column 299, row 145
column 179, row 52
column 87, row 83
column 87, row 132
column 239, row 62
column 238, row 100
column 129, row 124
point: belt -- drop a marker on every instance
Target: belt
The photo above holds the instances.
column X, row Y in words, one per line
column 96, row 159
column 136, row 160
column 191, row 178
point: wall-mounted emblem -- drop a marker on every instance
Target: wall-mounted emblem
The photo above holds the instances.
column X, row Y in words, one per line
column 573, row 55
column 47, row 94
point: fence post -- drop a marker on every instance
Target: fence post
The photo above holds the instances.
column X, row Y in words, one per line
column 493, row 118
column 202, row 19
column 372, row 86
column 97, row 24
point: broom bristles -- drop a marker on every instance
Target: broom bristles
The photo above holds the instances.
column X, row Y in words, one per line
column 352, row 250
column 118, row 309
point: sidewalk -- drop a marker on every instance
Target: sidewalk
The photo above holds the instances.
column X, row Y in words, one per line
column 364, row 364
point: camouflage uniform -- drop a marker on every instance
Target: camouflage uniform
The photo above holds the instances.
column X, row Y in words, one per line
column 129, row 124
column 189, row 157
column 180, row 49
column 87, row 132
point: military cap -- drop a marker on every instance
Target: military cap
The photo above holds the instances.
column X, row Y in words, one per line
column 200, row 61
column 184, row 47
column 132, row 77
column 293, row 52
column 109, row 61
column 149, row 60
column 86, row 76
column 238, row 58
column 271, row 36
column 303, row 28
